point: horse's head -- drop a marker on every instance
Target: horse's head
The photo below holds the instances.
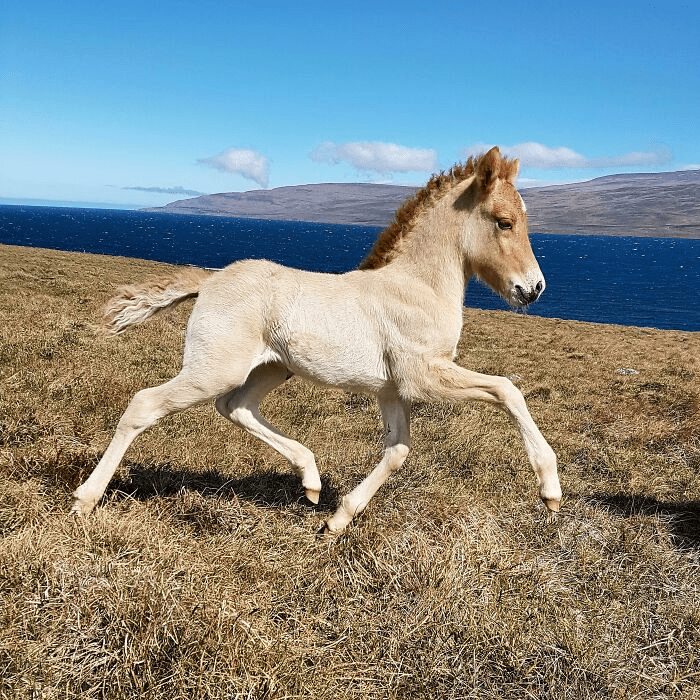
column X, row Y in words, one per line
column 497, row 248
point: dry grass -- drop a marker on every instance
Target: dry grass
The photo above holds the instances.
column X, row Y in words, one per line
column 201, row 577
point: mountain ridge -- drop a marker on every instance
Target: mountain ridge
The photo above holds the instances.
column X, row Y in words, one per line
column 641, row 204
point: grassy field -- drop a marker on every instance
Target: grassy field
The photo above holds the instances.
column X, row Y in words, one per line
column 200, row 576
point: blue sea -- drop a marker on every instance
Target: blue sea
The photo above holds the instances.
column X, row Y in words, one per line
column 653, row 282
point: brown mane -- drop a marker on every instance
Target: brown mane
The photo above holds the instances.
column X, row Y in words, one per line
column 406, row 215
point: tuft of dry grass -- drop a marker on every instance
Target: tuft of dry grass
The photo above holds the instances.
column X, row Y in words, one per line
column 200, row 576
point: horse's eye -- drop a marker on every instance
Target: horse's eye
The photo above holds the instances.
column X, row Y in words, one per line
column 505, row 225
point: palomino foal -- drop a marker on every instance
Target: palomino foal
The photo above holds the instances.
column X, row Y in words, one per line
column 389, row 328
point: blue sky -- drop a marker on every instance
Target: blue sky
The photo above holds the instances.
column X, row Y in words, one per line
column 141, row 103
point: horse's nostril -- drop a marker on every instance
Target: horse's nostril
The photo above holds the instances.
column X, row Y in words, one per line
column 529, row 295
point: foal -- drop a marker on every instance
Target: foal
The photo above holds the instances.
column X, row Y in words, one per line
column 389, row 328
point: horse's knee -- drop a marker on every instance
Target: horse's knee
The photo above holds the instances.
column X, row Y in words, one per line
column 506, row 390
column 507, row 394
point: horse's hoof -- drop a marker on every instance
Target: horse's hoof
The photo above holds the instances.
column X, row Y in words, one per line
column 325, row 532
column 552, row 504
column 81, row 508
column 313, row 495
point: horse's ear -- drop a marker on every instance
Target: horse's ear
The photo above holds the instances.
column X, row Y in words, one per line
column 487, row 169
column 513, row 169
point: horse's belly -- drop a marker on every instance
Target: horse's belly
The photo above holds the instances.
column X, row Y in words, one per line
column 350, row 365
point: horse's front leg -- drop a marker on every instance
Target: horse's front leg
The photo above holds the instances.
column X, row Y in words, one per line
column 448, row 381
column 396, row 417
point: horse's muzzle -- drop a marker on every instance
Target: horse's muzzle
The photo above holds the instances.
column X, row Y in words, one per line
column 524, row 296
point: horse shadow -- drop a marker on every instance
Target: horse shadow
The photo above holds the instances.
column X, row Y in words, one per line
column 683, row 517
column 268, row 489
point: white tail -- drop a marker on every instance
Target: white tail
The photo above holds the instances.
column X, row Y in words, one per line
column 136, row 303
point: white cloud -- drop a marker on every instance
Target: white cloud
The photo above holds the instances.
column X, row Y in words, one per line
column 691, row 166
column 375, row 156
column 537, row 155
column 243, row 161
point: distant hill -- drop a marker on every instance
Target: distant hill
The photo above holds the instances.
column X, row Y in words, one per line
column 638, row 204
column 333, row 203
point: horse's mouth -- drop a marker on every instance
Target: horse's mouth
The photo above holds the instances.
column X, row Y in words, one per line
column 521, row 297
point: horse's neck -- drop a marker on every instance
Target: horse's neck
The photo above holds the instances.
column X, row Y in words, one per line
column 432, row 252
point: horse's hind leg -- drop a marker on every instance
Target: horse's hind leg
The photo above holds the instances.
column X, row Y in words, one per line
column 147, row 406
column 241, row 407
